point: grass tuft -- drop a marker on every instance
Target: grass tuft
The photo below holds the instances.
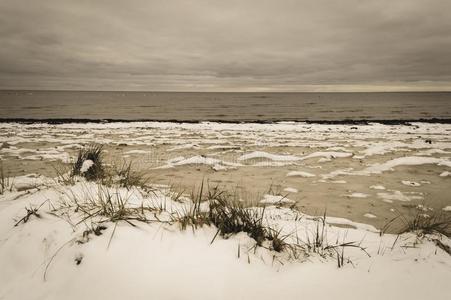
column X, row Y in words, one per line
column 5, row 182
column 231, row 217
column 94, row 154
column 128, row 177
column 425, row 224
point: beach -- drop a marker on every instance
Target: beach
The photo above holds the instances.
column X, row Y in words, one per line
column 365, row 173
column 342, row 205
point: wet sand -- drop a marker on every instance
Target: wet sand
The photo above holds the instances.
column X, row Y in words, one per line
column 354, row 170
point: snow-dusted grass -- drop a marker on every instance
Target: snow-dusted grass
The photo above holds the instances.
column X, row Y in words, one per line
column 89, row 163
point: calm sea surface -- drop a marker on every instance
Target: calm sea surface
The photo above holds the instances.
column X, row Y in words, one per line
column 223, row 106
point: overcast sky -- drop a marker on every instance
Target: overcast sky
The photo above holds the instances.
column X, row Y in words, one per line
column 227, row 45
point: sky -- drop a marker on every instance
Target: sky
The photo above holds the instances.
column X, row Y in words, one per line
column 227, row 45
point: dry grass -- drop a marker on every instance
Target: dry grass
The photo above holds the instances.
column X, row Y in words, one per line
column 420, row 223
column 103, row 205
column 6, row 184
column 92, row 153
column 425, row 224
column 230, row 217
column 124, row 175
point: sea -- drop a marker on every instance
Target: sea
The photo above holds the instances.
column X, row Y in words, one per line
column 68, row 106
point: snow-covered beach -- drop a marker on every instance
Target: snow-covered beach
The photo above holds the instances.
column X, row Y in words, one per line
column 360, row 177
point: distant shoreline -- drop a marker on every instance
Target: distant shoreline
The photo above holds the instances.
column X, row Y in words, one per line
column 53, row 121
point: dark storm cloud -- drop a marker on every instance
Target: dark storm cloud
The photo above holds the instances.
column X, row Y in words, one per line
column 226, row 45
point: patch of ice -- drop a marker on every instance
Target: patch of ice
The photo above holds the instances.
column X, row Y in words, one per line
column 197, row 160
column 137, row 151
column 369, row 216
column 380, row 148
column 175, row 159
column 445, row 174
column 405, row 161
column 261, row 154
column 447, row 208
column 272, row 164
column 290, row 190
column 377, row 187
column 433, row 151
column 395, row 195
column 218, row 167
column 300, row 174
column 328, row 155
column 273, row 199
column 184, row 146
column 357, row 195
column 410, row 183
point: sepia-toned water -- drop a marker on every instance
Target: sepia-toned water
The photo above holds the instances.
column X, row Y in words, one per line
column 172, row 106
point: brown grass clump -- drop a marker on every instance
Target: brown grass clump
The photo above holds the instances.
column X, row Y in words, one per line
column 93, row 153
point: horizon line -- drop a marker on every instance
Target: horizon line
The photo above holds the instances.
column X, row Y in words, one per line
column 223, row 92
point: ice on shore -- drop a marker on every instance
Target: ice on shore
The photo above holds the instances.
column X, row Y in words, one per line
column 377, row 187
column 357, row 195
column 275, row 199
column 369, row 216
column 261, row 154
column 328, row 155
column 379, row 168
column 391, row 196
column 291, row 190
column 300, row 174
column 410, row 183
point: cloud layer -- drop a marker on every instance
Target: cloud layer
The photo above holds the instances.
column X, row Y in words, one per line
column 209, row 45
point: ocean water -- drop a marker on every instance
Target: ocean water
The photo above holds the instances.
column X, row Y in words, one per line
column 241, row 107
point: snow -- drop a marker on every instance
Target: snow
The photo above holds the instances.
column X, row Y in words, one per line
column 410, row 183
column 87, row 164
column 357, row 195
column 300, row 174
column 261, row 154
column 378, row 168
column 275, row 199
column 377, row 187
column 445, row 174
column 328, row 155
column 369, row 216
column 397, row 196
column 197, row 160
column 291, row 190
column 137, row 151
column 183, row 147
column 216, row 164
column 447, row 208
column 159, row 261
